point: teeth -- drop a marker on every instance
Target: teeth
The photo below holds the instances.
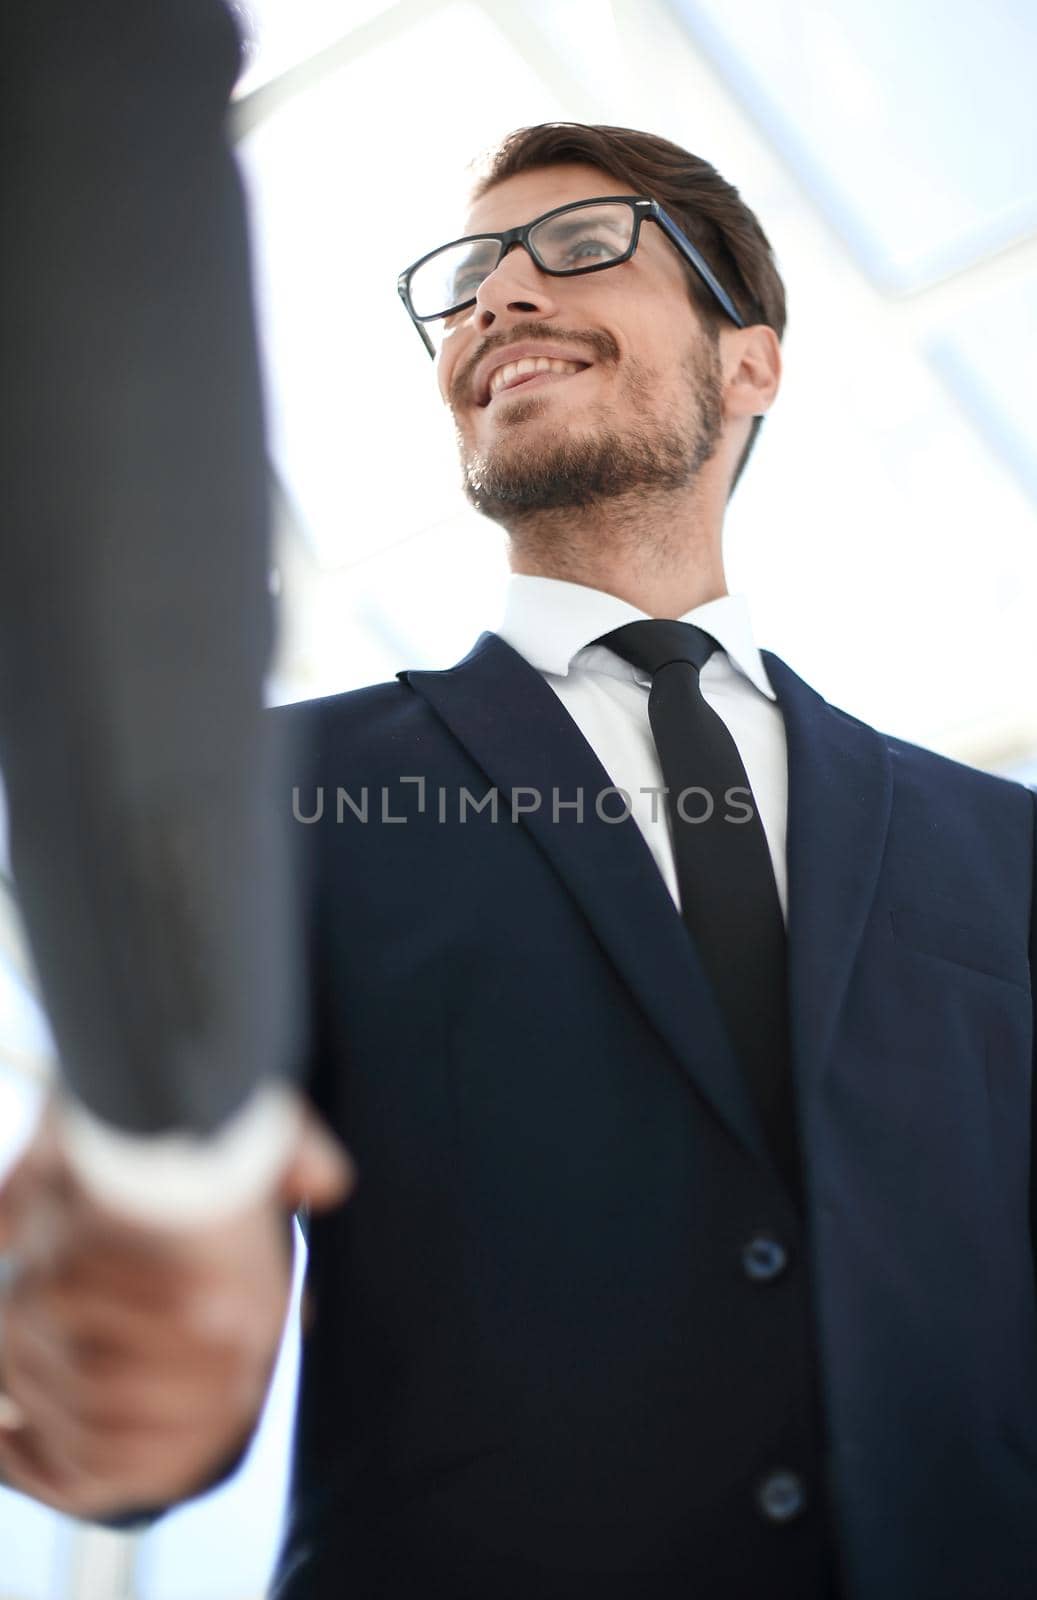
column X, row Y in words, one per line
column 506, row 374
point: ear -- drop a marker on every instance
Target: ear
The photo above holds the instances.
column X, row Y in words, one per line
column 751, row 360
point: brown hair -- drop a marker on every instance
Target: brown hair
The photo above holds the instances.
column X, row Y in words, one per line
column 710, row 211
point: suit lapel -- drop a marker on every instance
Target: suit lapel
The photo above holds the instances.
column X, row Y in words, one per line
column 840, row 796
column 517, row 730
column 840, row 801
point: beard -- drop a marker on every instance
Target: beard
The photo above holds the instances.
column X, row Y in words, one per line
column 523, row 477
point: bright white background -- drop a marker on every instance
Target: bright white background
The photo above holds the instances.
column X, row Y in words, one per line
column 885, row 533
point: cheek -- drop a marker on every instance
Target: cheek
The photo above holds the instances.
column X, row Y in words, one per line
column 646, row 384
column 454, row 349
column 464, row 430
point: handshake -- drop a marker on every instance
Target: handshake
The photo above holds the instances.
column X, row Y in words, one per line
column 135, row 1359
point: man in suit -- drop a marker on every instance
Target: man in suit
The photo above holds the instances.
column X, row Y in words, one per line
column 602, row 1319
column 691, row 1252
column 135, row 627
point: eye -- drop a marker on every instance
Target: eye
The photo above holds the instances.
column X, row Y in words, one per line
column 467, row 286
column 592, row 245
column 587, row 246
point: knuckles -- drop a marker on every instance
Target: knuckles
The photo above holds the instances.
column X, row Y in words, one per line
column 146, row 1368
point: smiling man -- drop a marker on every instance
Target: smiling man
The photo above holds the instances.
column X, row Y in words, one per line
column 680, row 1025
column 590, row 405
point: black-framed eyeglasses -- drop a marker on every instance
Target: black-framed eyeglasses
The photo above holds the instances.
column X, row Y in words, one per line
column 585, row 236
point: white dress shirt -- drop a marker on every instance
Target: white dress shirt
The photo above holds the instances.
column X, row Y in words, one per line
column 177, row 1179
column 551, row 624
column 180, row 1180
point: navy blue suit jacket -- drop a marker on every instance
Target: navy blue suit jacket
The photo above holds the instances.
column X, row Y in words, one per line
column 540, row 1364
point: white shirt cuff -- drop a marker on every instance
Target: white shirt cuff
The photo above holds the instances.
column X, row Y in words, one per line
column 182, row 1179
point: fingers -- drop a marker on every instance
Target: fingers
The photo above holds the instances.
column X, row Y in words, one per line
column 111, row 1407
column 97, row 1478
column 12, row 1417
column 16, row 1188
column 320, row 1174
column 23, row 1467
column 135, row 1361
column 39, row 1168
column 103, row 1412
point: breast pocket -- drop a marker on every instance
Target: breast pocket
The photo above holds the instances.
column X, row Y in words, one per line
column 989, row 950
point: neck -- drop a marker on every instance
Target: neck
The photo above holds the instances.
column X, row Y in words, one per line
column 663, row 557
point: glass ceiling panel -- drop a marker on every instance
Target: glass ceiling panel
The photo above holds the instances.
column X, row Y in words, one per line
column 278, row 36
column 987, row 358
column 862, row 515
column 913, row 127
column 343, row 197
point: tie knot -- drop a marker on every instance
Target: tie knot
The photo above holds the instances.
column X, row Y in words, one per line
column 651, row 645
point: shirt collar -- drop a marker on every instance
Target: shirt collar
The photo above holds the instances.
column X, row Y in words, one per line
column 549, row 621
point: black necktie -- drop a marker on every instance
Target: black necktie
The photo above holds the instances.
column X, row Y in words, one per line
column 729, row 901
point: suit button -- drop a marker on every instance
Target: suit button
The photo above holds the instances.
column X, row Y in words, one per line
column 781, row 1496
column 764, row 1259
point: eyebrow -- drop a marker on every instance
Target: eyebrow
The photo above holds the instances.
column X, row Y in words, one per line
column 566, row 228
column 473, row 241
column 578, row 224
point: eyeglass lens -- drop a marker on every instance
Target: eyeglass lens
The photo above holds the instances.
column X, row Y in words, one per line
column 571, row 241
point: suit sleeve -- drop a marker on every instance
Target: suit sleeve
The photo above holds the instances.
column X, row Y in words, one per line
column 143, row 783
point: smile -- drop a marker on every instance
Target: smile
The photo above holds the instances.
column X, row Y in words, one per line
column 531, row 380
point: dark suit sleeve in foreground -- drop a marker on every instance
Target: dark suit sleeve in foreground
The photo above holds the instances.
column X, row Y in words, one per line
column 135, row 621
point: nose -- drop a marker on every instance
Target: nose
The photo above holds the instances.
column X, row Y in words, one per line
column 516, row 286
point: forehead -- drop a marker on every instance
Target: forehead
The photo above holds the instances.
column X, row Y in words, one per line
column 528, row 194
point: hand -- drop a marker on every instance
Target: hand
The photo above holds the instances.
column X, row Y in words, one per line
column 134, row 1361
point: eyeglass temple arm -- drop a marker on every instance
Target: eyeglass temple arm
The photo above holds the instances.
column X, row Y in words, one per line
column 691, row 255
column 401, row 289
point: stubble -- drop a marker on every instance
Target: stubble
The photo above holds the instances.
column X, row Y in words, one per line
column 530, row 480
